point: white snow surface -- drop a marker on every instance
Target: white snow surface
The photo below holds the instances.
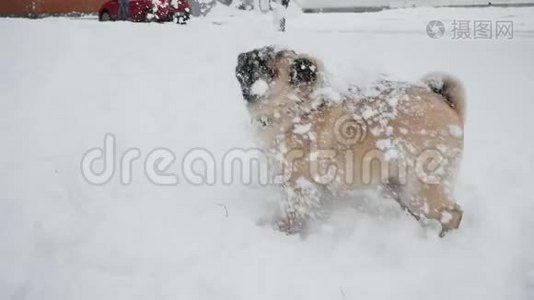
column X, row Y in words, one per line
column 65, row 83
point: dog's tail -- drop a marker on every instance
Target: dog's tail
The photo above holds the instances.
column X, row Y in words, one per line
column 450, row 88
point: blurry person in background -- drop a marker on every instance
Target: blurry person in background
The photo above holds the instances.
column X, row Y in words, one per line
column 123, row 10
column 279, row 13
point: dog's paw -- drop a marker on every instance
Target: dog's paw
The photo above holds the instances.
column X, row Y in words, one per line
column 290, row 226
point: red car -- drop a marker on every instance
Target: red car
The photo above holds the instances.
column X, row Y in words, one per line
column 148, row 10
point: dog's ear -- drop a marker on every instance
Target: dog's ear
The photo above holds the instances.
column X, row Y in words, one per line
column 302, row 72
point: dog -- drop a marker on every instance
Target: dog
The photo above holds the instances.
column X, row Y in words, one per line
column 404, row 139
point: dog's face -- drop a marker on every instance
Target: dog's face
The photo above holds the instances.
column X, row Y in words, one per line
column 265, row 73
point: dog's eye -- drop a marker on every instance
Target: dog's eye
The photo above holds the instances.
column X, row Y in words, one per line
column 303, row 72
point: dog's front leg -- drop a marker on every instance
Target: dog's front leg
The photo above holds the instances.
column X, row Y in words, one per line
column 301, row 199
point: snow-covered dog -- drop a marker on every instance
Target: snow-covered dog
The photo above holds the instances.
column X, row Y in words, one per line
column 406, row 139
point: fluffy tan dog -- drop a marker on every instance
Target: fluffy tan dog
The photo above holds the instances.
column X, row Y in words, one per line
column 406, row 139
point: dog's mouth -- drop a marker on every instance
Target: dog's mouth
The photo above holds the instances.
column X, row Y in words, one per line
column 255, row 74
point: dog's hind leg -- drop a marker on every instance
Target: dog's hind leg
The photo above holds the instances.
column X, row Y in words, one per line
column 426, row 200
column 439, row 205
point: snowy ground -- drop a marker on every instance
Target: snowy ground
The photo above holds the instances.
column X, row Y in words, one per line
column 66, row 83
